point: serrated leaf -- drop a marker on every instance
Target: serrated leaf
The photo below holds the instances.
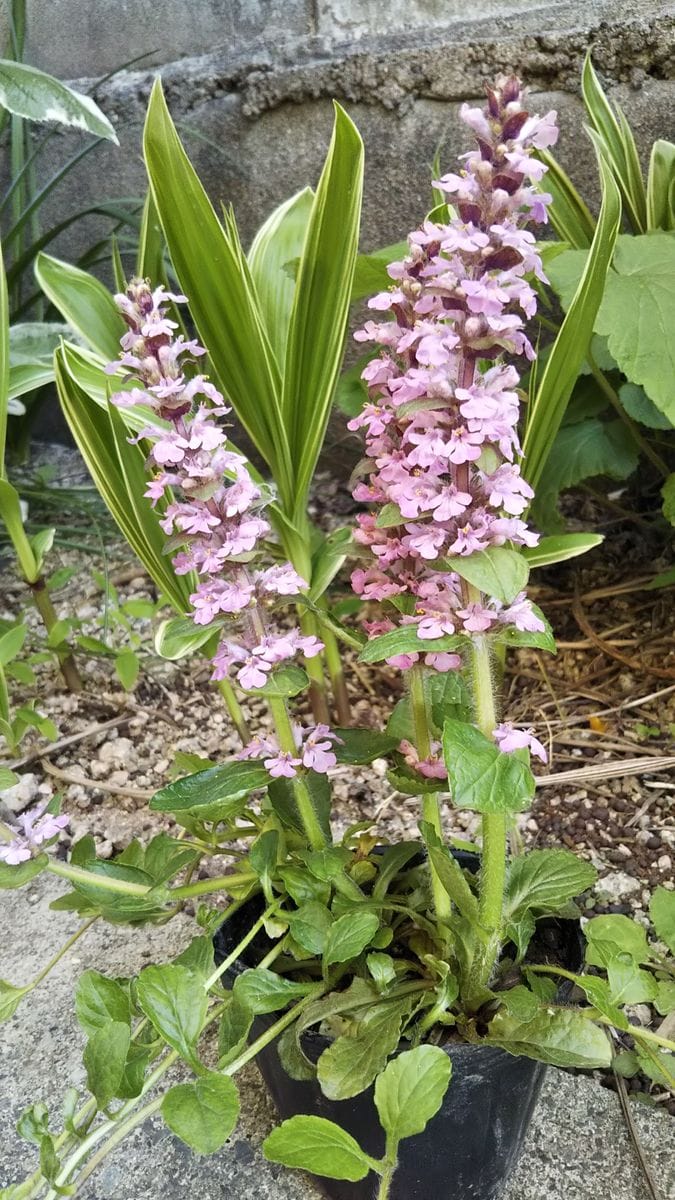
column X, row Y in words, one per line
column 263, row 991
column 406, row 641
column 498, row 572
column 638, row 313
column 104, row 1058
column 349, row 936
column 175, row 1001
column 363, row 745
column 558, row 1036
column 662, row 913
column 309, row 926
column 611, row 936
column 410, row 1090
column 351, row 1063
column 545, row 881
column 99, row 1000
column 482, row 777
column 202, row 1114
column 317, row 1145
column 231, row 781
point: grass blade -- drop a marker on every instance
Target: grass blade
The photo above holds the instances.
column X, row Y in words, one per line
column 618, row 146
column 569, row 214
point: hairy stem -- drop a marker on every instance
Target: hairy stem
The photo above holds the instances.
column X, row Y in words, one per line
column 494, row 825
column 67, row 664
column 310, row 821
column 235, row 710
column 431, row 805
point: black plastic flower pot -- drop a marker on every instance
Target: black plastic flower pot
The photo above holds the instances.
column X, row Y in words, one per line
column 473, row 1143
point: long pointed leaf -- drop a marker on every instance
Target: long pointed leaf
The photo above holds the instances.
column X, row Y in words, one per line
column 661, row 187
column 116, row 467
column 618, row 146
column 569, row 214
column 4, row 363
column 208, row 263
column 84, row 303
column 321, row 305
column 276, row 247
column 554, row 388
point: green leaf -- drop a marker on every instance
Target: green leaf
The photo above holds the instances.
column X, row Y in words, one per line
column 205, row 789
column 542, row 639
column 118, row 470
column 614, row 935
column 310, row 925
column 33, row 1124
column 349, row 936
column 179, row 636
column 282, row 798
column 197, row 956
column 554, row 388
column 36, row 96
column 371, row 273
column 410, row 1090
column 104, row 1057
column 99, row 1000
column 560, row 547
column 382, row 970
column 202, row 1114
column 449, row 873
column 638, row 406
column 638, row 313
column 545, row 881
column 12, row 518
column 351, row 1063
column 233, row 1031
column 569, row 215
column 302, row 886
column 498, row 572
column 85, row 304
column 279, row 241
column 263, row 991
column 214, row 274
column 127, row 666
column 662, row 913
column 482, row 777
column 15, row 877
column 363, row 745
column 321, row 303
column 406, row 641
column 661, row 186
column 11, row 643
column 175, row 1001
column 668, row 494
column 284, row 683
column 615, row 141
column 664, row 1000
column 583, row 451
column 562, row 1037
column 317, row 1145
column 10, row 998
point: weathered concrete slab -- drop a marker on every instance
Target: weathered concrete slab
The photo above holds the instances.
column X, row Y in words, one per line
column 578, row 1147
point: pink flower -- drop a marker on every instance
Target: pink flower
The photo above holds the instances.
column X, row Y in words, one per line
column 476, row 618
column 32, row 829
column 509, row 739
column 317, row 752
column 282, row 765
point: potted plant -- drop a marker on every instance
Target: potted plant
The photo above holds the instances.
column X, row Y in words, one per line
column 365, row 978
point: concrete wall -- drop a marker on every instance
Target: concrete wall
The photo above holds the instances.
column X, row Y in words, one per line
column 250, row 84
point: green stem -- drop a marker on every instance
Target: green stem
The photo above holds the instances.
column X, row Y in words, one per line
column 386, row 1181
column 64, row 950
column 639, row 439
column 245, row 941
column 637, row 1031
column 79, row 875
column 303, row 799
column 235, row 710
column 431, row 805
column 314, row 668
column 494, row 825
column 45, row 608
column 337, row 676
column 219, row 882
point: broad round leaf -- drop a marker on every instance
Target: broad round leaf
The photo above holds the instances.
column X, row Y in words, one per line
column 202, row 1114
column 317, row 1145
column 410, row 1090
